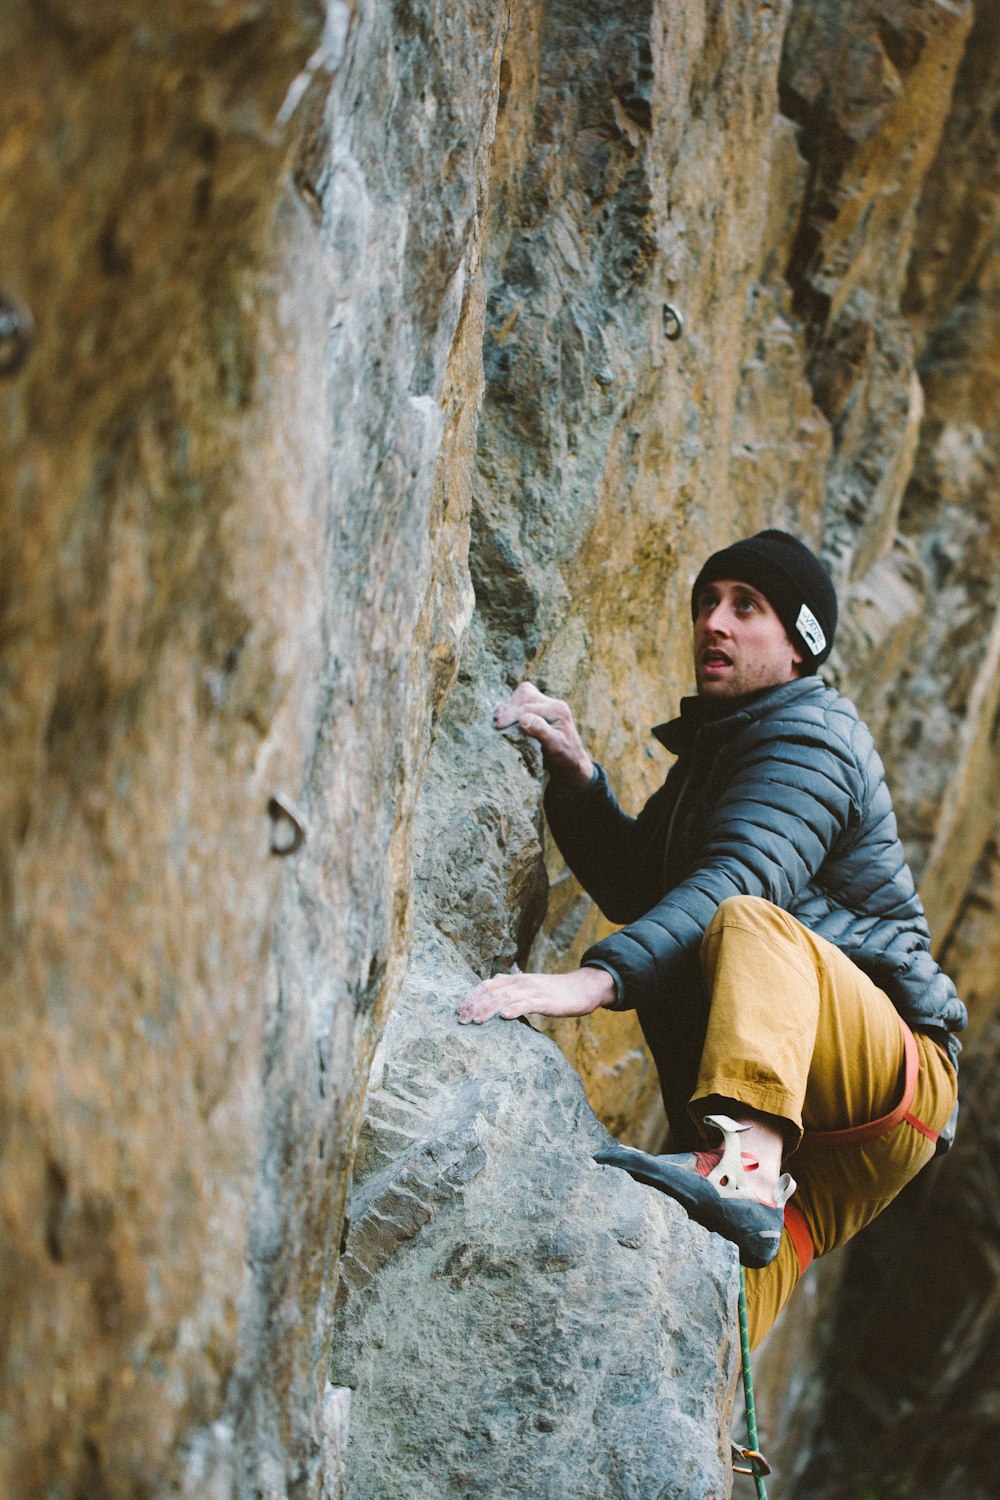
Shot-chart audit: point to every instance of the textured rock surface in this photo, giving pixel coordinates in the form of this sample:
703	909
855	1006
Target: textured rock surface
150	706
342	312
234	524
514	1317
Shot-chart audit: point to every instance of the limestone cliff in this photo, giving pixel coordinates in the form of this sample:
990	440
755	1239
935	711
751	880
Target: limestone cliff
337	395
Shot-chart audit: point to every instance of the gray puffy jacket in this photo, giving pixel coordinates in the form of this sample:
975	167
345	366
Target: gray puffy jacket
783	797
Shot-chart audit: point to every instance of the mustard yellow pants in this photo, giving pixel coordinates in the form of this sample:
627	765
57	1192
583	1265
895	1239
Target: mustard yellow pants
796	1030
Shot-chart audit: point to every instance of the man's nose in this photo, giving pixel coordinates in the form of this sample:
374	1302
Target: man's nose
719	619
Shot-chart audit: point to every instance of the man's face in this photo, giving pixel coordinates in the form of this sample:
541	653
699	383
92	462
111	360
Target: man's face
740	645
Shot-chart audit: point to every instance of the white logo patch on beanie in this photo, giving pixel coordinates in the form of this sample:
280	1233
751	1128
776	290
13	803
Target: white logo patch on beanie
810	630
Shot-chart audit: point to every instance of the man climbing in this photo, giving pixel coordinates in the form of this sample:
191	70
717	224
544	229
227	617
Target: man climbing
773	943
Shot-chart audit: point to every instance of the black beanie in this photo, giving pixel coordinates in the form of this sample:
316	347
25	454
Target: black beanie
793	581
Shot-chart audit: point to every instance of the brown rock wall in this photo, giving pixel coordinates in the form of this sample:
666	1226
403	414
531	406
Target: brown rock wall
405	323
234	525
343	312
149	712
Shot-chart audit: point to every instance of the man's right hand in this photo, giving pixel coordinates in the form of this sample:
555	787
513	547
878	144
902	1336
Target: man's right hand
550	722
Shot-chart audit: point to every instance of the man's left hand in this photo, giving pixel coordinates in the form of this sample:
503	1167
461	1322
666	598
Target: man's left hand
512	995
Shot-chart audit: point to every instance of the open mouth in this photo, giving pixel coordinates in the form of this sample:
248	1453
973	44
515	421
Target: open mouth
715	658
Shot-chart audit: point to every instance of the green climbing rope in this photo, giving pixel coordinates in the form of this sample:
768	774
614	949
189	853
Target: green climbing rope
758	1477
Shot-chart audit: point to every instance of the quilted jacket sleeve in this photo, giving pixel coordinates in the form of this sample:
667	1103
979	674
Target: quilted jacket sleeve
616	858
786	794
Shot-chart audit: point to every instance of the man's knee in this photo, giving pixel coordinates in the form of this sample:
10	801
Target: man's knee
745	911
751	915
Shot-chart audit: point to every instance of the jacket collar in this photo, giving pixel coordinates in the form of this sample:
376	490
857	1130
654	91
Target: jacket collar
716	719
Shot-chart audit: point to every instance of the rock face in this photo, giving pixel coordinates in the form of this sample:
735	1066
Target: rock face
594	1335
213	531
337	395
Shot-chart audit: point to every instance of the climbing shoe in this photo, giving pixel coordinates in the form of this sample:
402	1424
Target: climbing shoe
716	1190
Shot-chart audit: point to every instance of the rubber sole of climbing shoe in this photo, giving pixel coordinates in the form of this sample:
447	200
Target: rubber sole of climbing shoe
754	1228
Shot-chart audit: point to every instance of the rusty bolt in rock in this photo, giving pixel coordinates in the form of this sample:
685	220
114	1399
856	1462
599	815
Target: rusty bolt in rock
288	829
673	323
17	333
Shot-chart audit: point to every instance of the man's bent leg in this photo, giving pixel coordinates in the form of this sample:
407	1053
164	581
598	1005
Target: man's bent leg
795	1030
798	1030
